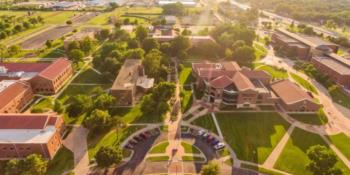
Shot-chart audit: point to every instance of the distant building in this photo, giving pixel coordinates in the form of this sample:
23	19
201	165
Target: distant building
170	20
65	5
25	134
130	81
292	98
226	83
301	46
14	96
44	78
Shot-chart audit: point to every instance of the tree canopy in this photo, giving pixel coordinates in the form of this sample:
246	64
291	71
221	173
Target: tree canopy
322	161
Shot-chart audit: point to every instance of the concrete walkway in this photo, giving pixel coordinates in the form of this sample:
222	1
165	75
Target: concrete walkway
77	143
337	151
271	160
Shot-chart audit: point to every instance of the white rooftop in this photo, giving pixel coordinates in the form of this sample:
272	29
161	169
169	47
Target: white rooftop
5	84
144	82
27	135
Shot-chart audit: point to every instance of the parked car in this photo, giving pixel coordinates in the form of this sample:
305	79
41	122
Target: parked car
219	146
205	135
144	136
210	138
129	146
133	142
214	142
138	138
201	132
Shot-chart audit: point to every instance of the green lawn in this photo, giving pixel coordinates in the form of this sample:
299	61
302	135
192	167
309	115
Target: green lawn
260	169
72	90
252	136
342	142
95	142
158	158
159	148
44	104
192	158
275	73
340	97
90	76
186	99
185	76
206	122
318	118
304	83
293	158
63	161
189	148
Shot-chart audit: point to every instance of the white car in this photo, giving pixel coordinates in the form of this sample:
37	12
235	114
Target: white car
201	132
219	146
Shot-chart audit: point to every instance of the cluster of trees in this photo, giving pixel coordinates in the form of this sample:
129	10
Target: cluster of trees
176	9
107	156
246	17
32	164
342	41
322	161
156	103
302	28
315	10
211	168
78	49
237	42
6	52
10	25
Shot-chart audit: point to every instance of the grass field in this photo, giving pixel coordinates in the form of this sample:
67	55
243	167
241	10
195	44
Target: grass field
72	90
185	76
304	83
186	99
109	139
159	148
189	148
342	142
44	104
90	76
158	158
192	158
63	161
252	136
318	118
260	169
340	97
293	158
206	122
275	73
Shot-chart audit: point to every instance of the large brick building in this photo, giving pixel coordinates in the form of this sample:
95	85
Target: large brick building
292	98
228	84
44	78
130	80
300	46
14	96
25	134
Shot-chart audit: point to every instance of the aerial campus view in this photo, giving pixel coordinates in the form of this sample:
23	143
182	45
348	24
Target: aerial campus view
174	87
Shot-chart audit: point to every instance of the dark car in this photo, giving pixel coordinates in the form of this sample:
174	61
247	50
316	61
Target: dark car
210	138
129	146
133	142
138	138
214	142
145	135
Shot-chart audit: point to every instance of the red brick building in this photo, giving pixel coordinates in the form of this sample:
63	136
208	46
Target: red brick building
25	134
14	96
44	78
292	98
226	83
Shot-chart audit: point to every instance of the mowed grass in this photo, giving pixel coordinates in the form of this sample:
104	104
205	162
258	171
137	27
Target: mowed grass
206	122
275	72
304	83
293	158
111	138
159	148
252	136
342	142
186	99
318	118
90	76
340	97
185	76
63	161
73	90
189	148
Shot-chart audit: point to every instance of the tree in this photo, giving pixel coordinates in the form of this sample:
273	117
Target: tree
73	45
165	48
244	55
69	22
211	169
322	160
104	101
58	106
147	104
79	104
48	43
179	45
76	55
141	33
177	9
35	164
97	120
86	45
103	34
237	44
164	91
12	167
107	156
13	50
137	53
149	44
151	62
